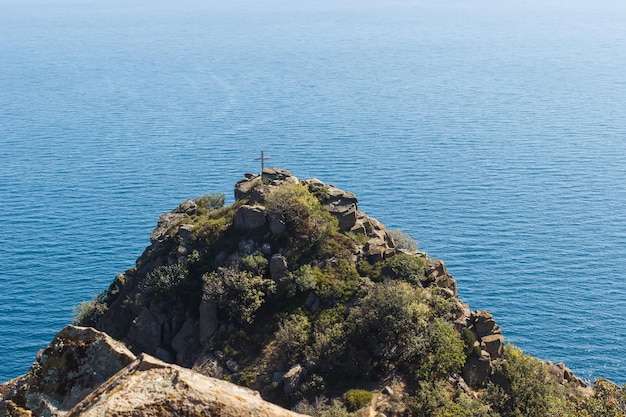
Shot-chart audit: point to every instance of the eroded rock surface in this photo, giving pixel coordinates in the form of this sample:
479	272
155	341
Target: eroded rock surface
149	387
75	363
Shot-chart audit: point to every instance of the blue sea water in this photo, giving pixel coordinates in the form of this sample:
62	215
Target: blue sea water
494	132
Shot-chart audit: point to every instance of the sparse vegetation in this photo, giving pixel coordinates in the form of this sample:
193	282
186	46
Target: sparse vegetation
357	398
238	293
165	280
211	201
349	321
403	241
87	313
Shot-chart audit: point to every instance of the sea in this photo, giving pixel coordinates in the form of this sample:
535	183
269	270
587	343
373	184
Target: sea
492	131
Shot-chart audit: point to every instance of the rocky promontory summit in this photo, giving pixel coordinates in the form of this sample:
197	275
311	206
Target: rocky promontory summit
291	301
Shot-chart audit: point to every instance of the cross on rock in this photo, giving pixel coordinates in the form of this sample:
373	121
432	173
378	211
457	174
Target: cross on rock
263	158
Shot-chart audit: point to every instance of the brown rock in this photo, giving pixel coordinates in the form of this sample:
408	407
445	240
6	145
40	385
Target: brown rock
484	323
437	274
149	387
76	362
493	344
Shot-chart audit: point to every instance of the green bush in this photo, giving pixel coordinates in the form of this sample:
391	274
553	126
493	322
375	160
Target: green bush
320	192
208	228
337	282
292	336
211	201
255	263
87	313
357	398
445	352
329	338
532	390
390	322
239	293
469	340
407	267
165	279
303	214
247	377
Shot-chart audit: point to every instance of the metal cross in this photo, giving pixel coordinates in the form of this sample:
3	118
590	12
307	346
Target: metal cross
263	158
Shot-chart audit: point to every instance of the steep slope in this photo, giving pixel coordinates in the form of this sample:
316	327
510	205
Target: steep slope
296	293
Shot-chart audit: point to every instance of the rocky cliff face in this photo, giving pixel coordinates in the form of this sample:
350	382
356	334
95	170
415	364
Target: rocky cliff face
292	290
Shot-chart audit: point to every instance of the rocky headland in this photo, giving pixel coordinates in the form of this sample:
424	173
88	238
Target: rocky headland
290	299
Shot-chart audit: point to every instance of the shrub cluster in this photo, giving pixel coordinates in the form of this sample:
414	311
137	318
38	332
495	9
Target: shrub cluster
238	293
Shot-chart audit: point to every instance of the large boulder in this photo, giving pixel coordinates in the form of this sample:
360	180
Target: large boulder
477	369
492	344
146	332
167	220
149	387
208	322
254	188
483	324
77	361
250	217
342	205
437	275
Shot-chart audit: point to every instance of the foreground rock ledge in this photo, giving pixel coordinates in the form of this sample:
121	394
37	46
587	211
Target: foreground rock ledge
84	372
153	388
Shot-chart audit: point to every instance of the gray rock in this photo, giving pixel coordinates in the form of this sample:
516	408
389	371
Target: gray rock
293	378
277	377
462	385
278	267
209	322
145	332
477	369
232	365
343	206
186	344
245	186
312	302
250	217
492	344
277	176
277	225
208	365
247	247
266	249
185	230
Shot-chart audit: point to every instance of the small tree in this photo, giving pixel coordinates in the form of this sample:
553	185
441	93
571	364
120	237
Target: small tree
211	201
240	293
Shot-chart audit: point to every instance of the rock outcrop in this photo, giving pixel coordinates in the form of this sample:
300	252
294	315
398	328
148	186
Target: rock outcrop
185	314
83	372
77	361
170	390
